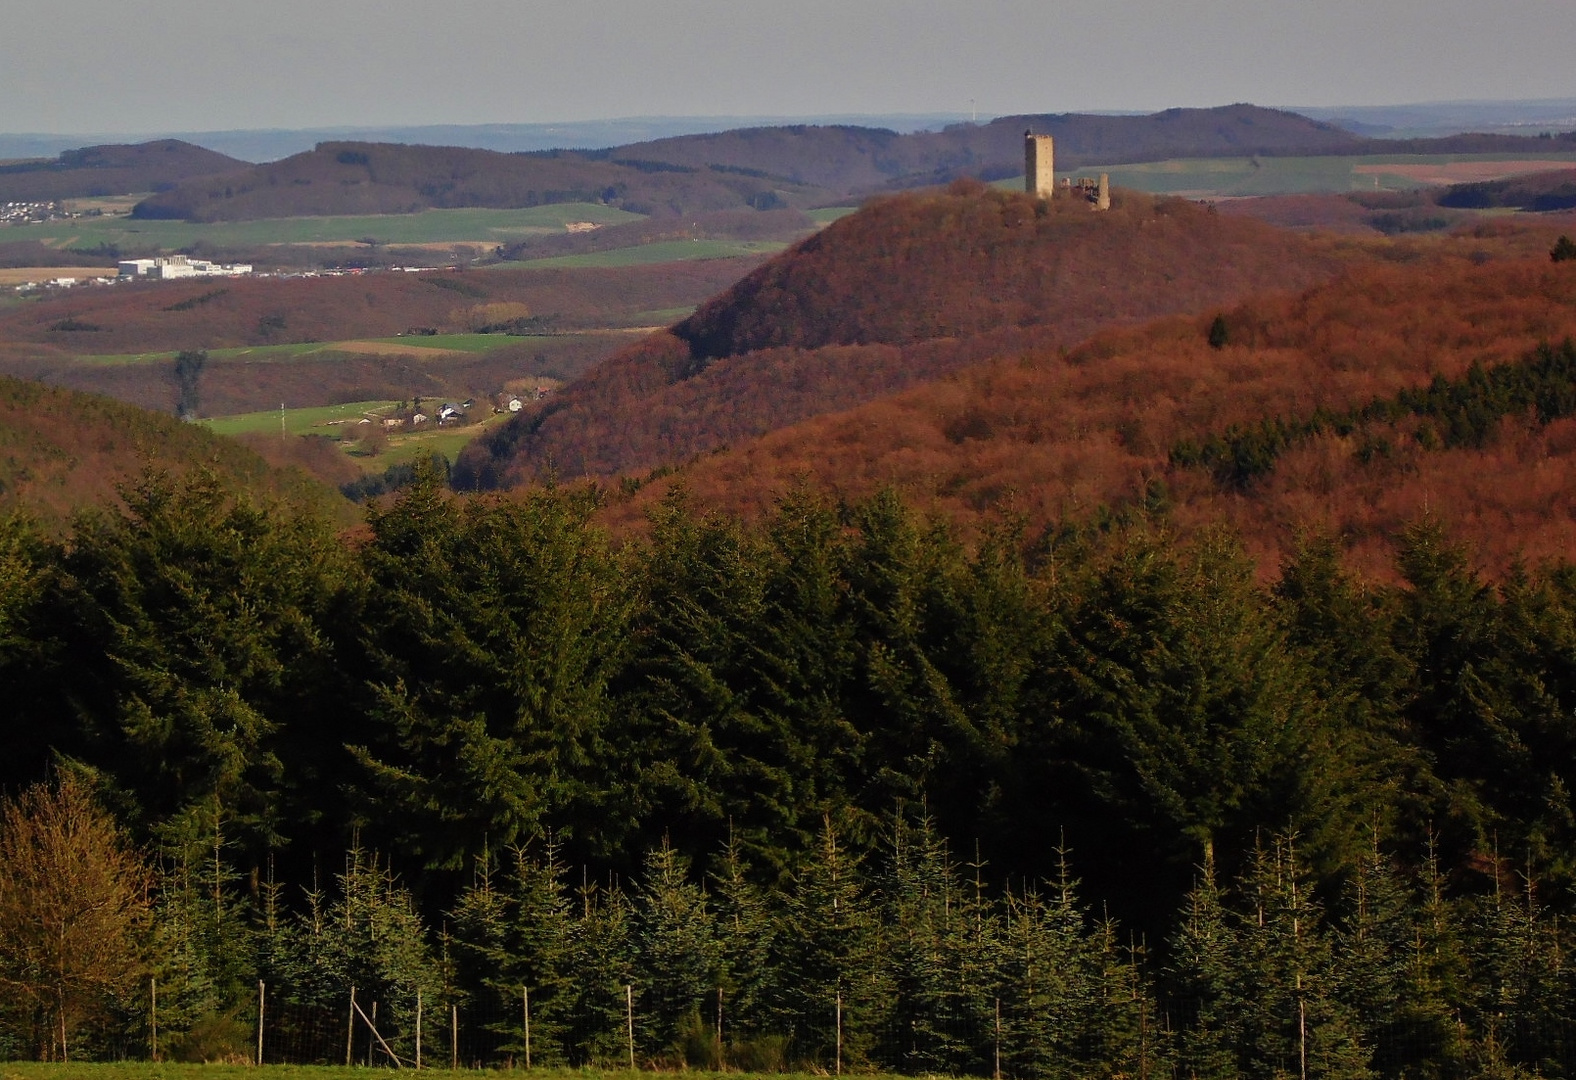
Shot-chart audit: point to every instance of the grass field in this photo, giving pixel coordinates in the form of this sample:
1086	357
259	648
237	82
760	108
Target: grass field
418	345
1287	176
322	420
333	420
648	254
427	227
828	214
142	1070
661	316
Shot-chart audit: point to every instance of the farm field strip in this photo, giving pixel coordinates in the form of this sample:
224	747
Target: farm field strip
648	254
435	345
20	275
468	225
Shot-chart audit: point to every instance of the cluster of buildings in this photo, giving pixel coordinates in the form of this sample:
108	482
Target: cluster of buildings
169	267
30	213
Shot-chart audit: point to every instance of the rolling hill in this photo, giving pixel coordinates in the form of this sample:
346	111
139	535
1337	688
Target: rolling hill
385	178
765	167
110	170
909	288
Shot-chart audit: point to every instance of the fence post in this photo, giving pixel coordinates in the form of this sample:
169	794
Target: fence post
525	1008
454	1038
998	1039
839	1033
153	1014
629	1013
262	996
418	1027
719	1027
1302	1030
350	1027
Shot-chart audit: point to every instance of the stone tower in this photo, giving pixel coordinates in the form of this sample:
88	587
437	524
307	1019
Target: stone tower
1039	165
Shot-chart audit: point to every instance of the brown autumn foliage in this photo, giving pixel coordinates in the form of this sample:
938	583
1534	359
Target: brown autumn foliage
909	288
1326	213
62	451
916	267
74	911
1048	436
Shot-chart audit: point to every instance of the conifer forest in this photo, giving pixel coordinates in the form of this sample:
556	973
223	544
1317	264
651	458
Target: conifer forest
841	789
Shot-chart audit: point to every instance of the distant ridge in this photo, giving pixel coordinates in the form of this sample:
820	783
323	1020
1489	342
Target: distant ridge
765	167
271	144
761	167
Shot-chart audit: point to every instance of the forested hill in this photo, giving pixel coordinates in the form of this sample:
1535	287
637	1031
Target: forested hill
908	288
62	451
387	178
110	170
1435	384
764	168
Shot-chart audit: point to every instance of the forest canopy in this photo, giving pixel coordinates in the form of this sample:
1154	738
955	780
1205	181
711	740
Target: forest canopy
1152	763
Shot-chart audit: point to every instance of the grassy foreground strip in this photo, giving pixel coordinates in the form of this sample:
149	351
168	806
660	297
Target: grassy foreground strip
145	1070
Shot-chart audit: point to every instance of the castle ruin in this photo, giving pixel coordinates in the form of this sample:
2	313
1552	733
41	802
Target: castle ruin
1039	173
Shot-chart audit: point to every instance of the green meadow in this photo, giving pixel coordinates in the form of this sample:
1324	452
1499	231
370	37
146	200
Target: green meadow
458	343
320	420
475	226
827	214
404	444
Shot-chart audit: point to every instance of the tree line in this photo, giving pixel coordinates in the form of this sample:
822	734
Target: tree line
246	692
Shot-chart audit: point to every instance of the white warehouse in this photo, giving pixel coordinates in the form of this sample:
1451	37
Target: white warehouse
180	266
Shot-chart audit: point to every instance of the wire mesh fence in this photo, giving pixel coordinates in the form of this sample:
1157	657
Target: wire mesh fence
619	1027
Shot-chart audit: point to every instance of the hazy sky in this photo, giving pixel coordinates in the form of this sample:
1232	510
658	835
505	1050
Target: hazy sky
186	65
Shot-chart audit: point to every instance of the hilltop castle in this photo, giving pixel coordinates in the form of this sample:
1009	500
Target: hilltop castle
1039	173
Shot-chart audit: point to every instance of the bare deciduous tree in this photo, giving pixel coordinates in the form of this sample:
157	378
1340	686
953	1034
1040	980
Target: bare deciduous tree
73	912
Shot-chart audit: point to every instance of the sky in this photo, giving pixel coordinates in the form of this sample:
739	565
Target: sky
107	66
